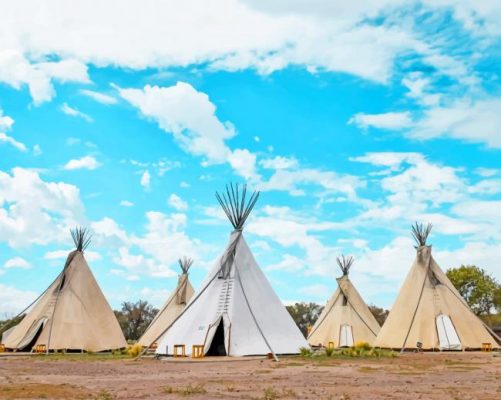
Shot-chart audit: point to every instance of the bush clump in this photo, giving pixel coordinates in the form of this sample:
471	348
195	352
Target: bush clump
134	349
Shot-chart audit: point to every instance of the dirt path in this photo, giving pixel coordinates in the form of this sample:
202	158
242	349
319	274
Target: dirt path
460	376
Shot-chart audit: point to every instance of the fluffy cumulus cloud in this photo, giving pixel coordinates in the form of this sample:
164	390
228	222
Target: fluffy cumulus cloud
86	162
17	262
43	46
188	115
6	123
177	202
18	71
14	300
34	211
225	37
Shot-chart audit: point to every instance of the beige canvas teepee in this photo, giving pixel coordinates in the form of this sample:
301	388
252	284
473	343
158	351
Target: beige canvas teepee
174	305
72	314
346	319
429	312
236	312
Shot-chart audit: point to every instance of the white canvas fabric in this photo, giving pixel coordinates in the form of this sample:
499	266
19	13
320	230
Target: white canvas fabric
425	294
255	322
448	338
345	308
174	306
72	314
346	336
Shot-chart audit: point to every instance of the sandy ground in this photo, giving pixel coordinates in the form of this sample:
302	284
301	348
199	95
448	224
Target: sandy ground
460	376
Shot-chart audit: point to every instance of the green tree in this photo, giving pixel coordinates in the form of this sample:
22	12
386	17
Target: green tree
480	290
134	318
305	314
379	313
9	323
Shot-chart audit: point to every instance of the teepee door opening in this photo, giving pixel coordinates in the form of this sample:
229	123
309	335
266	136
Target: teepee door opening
217	346
447	335
346	336
32	336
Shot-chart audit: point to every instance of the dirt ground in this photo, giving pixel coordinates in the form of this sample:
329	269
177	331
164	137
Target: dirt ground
460	376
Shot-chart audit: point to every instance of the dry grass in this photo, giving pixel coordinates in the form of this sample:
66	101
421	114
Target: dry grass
43	391
185	391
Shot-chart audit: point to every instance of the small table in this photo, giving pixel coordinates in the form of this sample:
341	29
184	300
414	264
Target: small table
178	347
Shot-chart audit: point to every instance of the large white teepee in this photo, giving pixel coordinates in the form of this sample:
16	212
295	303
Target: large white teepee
430	311
236	312
346	319
174	305
72	313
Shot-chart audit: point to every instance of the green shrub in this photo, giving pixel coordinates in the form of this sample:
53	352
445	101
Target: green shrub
329	351
305	352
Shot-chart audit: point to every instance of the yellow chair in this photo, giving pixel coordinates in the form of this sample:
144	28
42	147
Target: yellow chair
178	347
2	348
487	347
40	348
197	351
330	345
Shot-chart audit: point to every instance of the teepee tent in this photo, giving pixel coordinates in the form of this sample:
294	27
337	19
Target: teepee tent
174	305
72	313
429	312
346	319
236	312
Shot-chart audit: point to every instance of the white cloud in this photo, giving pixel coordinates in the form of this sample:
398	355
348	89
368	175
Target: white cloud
13	142
37	150
90	255
17	262
17	70
33	211
145	180
66	109
99	97
126	203
6	122
87	162
279	162
343	39
389	120
188	115
472	121
14	300
177	202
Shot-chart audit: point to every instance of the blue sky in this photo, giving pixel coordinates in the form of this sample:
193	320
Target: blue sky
354	121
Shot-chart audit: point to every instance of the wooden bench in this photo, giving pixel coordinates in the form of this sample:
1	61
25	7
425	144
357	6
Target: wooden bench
487	347
177	348
40	348
197	351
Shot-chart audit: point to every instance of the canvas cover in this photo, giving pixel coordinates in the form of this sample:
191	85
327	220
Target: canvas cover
255	322
426	294
174	305
73	314
352	312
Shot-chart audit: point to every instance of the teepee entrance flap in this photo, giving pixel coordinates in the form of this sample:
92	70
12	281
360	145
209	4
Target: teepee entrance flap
32	334
447	335
346	336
